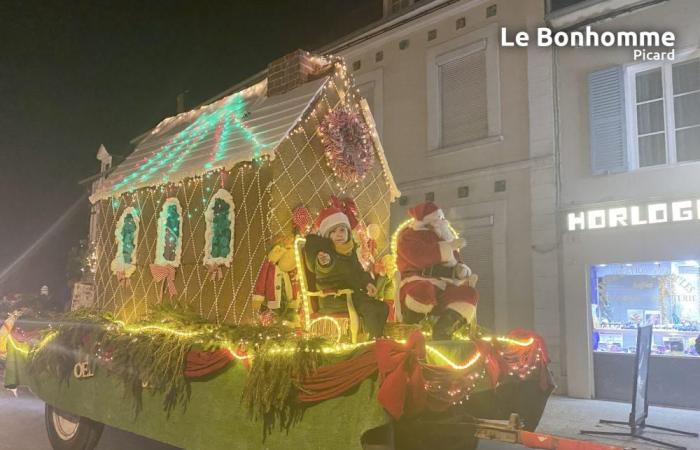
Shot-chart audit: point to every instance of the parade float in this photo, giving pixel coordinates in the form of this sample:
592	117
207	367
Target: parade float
205	332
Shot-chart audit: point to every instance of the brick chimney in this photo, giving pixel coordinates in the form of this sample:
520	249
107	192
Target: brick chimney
289	72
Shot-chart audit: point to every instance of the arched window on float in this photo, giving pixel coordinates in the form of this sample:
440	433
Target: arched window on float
220	221
169	245
126	234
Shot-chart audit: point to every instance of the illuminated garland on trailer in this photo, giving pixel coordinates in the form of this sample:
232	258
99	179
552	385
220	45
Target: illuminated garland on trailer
289	349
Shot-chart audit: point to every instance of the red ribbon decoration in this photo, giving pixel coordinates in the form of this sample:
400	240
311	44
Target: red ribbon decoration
349	207
122	279
167	274
400	367
301	219
214	272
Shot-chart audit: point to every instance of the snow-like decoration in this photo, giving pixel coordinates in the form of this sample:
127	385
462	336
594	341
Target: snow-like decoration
127	236
220	219
169	245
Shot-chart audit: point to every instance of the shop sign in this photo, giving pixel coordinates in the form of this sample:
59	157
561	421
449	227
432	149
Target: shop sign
632	216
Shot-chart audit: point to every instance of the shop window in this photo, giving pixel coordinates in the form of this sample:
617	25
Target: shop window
220	225
126	234
665	294
169	244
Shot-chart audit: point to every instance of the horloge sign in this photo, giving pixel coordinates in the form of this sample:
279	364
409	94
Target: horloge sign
632	216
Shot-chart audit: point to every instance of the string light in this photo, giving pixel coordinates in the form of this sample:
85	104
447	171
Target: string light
332	320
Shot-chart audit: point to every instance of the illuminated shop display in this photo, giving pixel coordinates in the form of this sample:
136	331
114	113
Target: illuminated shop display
664	293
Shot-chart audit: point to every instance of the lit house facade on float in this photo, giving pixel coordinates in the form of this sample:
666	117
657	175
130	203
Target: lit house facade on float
629	146
470	125
190	215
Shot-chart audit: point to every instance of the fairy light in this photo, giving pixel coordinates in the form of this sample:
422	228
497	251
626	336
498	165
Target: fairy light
470	362
299	241
16	346
519	343
332	320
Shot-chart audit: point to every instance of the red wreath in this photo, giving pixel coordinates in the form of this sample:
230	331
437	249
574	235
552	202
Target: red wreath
347	145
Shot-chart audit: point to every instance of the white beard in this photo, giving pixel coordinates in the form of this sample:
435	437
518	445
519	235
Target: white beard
442	229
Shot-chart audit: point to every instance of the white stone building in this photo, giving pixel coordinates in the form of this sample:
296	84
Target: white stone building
471	125
629	137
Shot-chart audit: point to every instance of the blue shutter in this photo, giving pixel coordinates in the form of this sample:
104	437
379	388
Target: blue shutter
606	101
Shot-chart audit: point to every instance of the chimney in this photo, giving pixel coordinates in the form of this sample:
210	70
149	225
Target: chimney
180	102
289	72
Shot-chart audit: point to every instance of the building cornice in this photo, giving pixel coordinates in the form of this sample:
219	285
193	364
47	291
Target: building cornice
496	169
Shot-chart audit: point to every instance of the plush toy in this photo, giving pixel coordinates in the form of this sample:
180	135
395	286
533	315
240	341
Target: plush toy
277	287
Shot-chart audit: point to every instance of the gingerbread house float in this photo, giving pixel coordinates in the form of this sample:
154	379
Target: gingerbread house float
190	216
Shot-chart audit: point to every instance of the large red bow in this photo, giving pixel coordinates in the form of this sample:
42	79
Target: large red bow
348	206
401	375
167	274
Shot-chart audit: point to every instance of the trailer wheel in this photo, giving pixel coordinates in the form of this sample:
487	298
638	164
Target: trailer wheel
69	432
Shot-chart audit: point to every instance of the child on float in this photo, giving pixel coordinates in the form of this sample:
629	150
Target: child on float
331	256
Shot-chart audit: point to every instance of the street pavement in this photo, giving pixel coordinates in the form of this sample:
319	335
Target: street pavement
22	425
22	428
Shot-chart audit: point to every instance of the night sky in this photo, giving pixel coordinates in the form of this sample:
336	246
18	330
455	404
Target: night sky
74	75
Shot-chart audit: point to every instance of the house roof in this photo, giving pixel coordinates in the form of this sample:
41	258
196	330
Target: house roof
239	127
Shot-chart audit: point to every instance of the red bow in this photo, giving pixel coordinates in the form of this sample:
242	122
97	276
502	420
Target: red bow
214	272
167	274
401	375
122	279
348	206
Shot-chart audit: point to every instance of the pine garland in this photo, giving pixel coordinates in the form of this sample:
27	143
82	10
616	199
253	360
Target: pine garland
146	355
270	391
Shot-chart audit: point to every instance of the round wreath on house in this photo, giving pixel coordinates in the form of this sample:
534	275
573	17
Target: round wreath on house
347	144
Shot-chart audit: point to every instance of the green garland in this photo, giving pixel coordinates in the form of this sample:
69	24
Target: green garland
145	355
270	391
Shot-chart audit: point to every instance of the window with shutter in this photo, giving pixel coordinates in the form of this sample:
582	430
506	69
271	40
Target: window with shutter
686	109
664	109
478	255
606	98
463	102
463	92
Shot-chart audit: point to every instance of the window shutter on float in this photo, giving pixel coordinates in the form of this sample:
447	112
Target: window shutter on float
607	118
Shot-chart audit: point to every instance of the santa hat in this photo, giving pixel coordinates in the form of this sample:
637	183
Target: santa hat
425	212
329	218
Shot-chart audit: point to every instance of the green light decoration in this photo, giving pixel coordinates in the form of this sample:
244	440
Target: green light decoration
221	224
128	238
229	118
172	233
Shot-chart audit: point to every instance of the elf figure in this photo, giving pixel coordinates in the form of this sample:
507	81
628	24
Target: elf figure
332	256
277	289
433	278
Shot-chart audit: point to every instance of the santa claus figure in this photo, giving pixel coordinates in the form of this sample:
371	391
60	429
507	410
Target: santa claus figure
433	278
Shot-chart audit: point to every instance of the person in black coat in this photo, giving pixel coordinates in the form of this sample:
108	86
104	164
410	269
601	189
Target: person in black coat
332	257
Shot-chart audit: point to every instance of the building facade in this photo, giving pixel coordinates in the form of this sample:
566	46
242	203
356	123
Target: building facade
629	145
470	125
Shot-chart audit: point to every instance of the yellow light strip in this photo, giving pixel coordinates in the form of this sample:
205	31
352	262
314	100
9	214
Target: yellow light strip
301	275
158	328
517	342
12	342
473	360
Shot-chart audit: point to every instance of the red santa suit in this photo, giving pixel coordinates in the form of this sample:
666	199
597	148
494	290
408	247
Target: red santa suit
272	282
433	277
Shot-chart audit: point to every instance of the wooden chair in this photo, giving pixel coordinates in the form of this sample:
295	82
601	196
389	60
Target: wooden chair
311	295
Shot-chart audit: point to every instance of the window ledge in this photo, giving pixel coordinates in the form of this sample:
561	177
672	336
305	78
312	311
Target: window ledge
592	11
490	140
